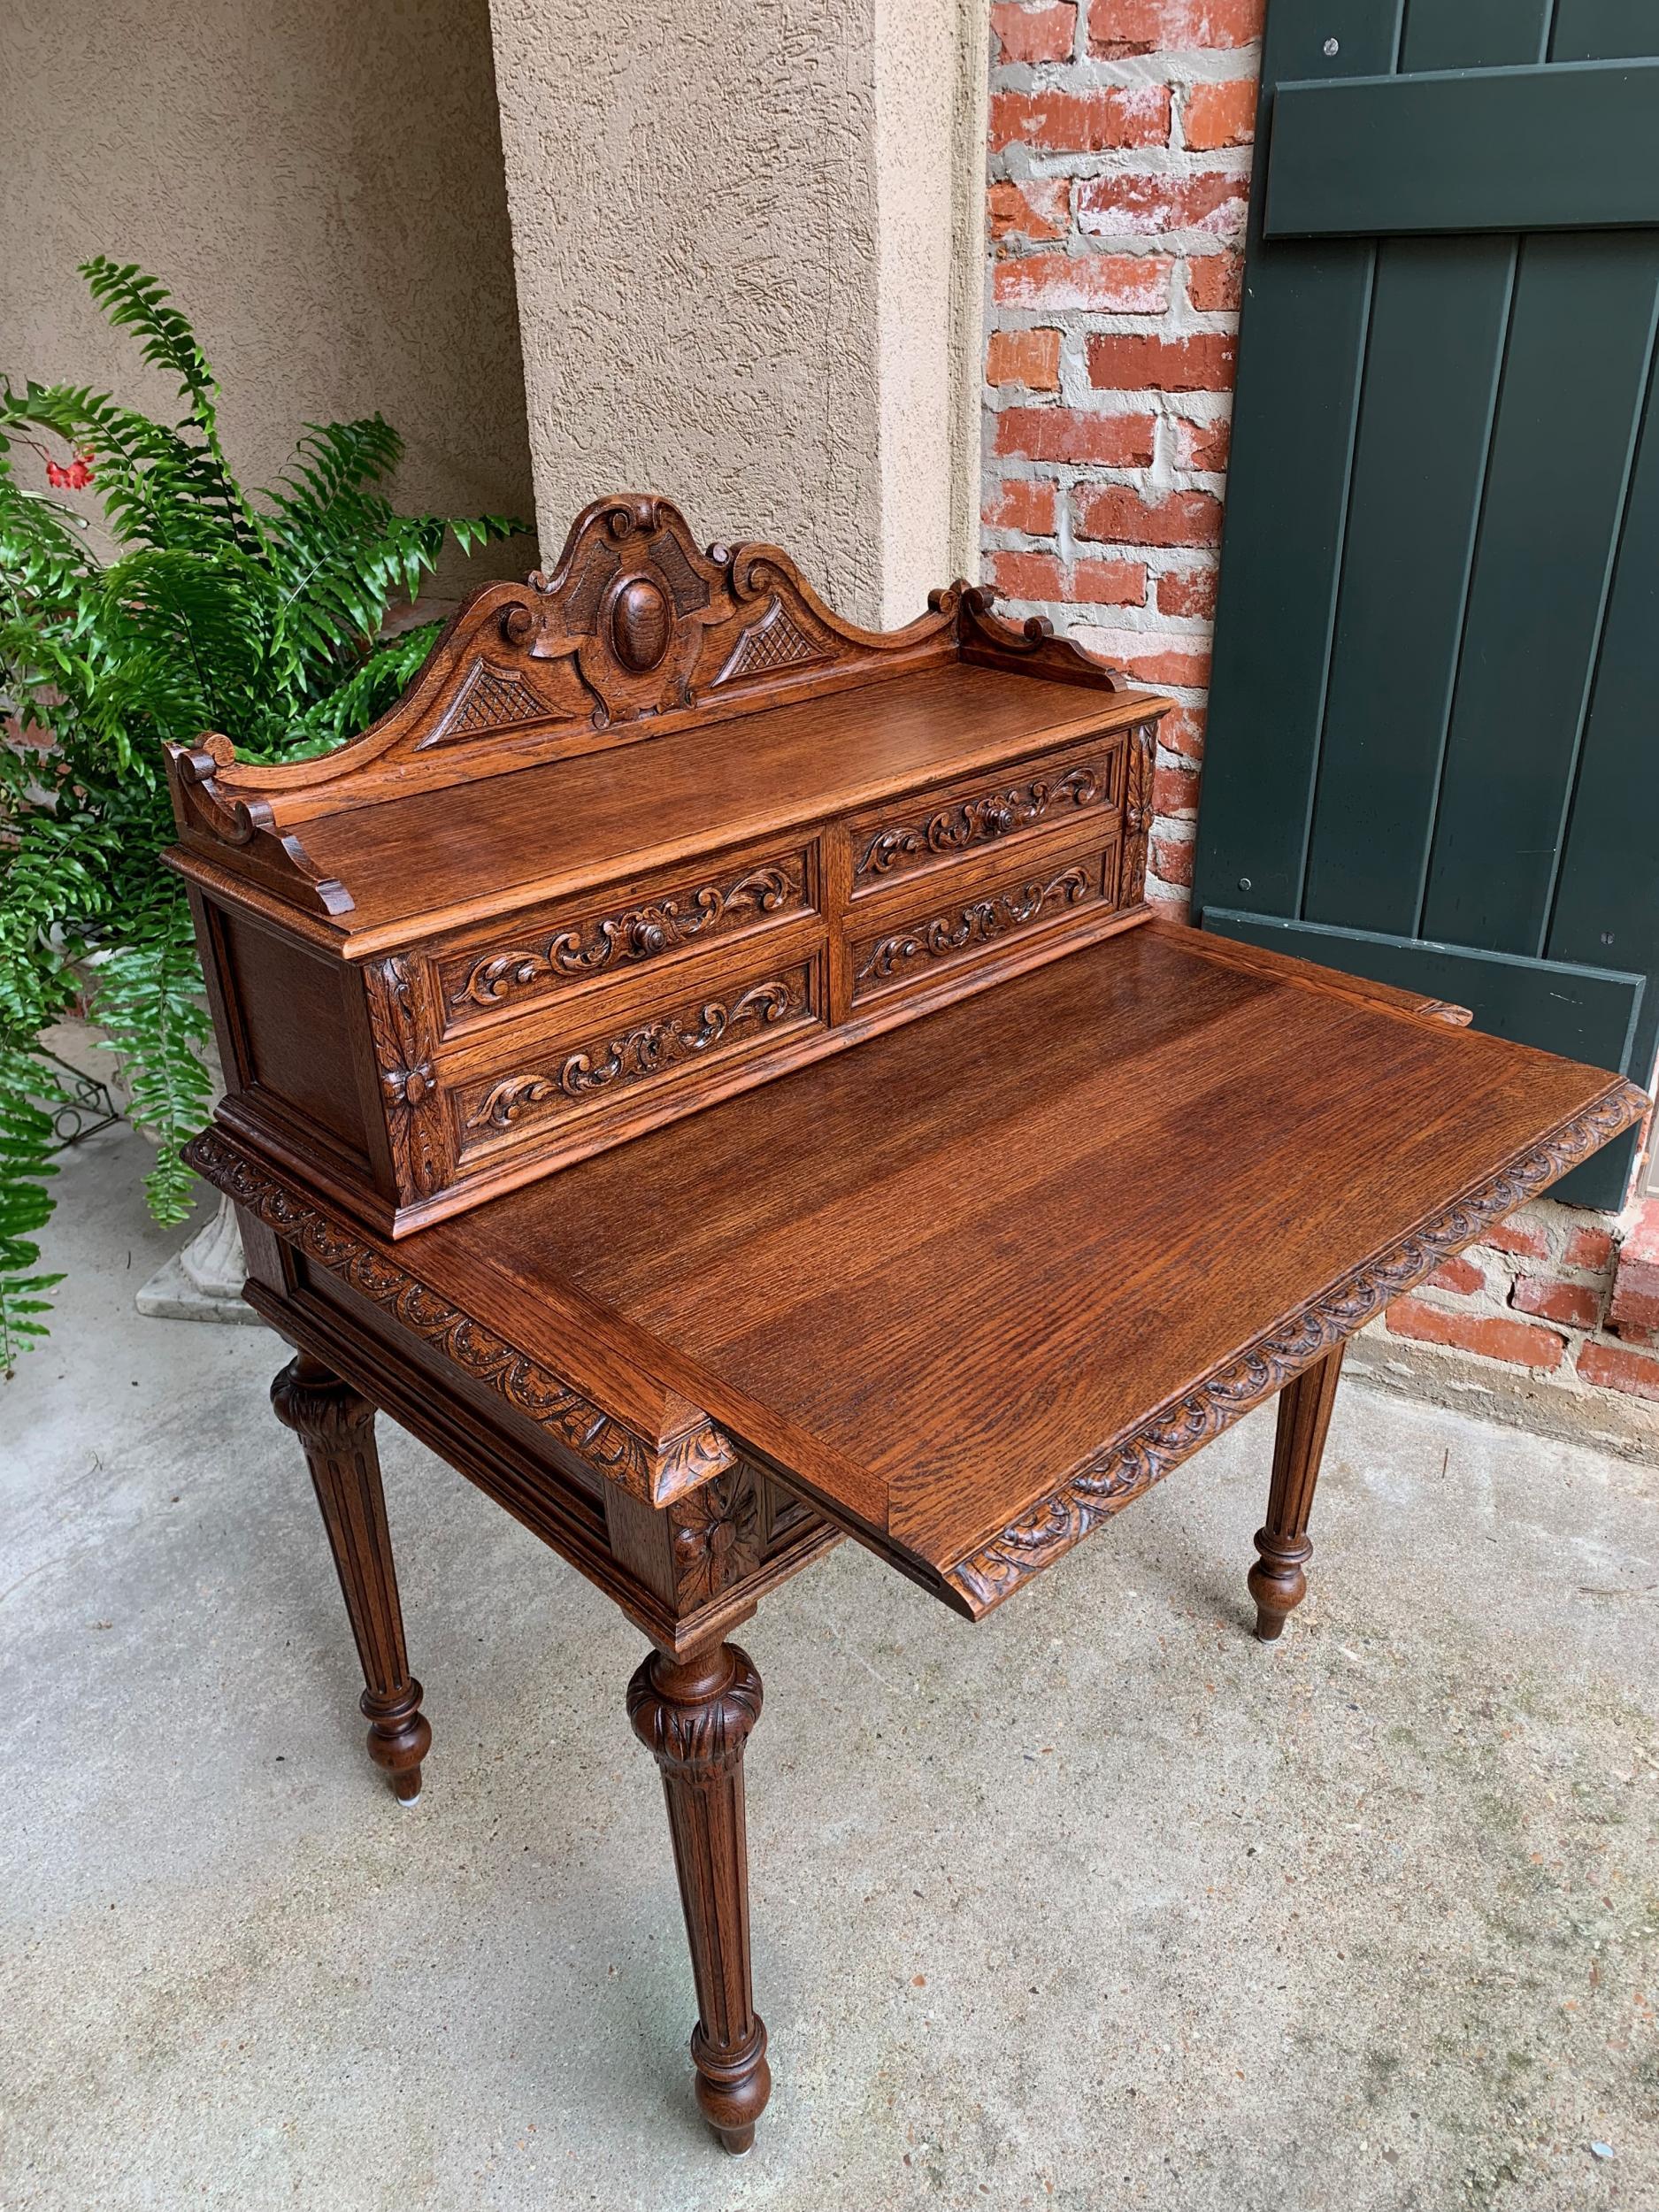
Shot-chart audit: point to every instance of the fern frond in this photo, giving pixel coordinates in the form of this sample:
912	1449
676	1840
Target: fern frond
26	1141
148	1000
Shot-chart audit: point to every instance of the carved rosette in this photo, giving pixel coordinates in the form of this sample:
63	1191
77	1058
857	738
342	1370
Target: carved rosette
604	1443
638	1054
1105	1486
976	821
401	1033
698	1737
977	923
1132	877
639	932
716	1536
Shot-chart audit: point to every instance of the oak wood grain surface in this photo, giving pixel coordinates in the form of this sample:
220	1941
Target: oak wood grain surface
438	855
927	1279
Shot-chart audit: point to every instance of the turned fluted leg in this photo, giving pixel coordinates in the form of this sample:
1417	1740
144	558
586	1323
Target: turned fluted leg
694	1716
336	1423
1278	1583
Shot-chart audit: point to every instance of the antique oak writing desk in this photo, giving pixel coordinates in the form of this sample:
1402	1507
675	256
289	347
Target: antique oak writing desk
658	831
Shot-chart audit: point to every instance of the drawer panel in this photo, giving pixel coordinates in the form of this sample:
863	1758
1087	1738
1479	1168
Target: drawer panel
953	930
907	836
601	938
605	1068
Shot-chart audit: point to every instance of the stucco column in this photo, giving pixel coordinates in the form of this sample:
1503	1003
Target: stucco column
747	244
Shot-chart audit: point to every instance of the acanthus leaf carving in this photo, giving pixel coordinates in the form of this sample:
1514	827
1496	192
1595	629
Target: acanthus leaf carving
638	933
637	1054
400	1033
995	813
981	922
1132	876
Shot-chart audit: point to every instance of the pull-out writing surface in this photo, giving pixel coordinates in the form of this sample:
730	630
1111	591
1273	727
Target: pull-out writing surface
978	1283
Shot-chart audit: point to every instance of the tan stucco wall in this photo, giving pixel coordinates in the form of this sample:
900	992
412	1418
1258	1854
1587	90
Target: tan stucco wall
320	186
739	236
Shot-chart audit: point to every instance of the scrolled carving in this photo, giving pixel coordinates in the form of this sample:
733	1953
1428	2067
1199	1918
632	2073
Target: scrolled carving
639	932
716	1536
656	1473
639	1053
400	1033
1105	1486
993	814
981	922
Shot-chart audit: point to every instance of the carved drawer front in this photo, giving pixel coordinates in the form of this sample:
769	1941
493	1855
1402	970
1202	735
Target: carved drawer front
605	938
610	1066
951	925
907	836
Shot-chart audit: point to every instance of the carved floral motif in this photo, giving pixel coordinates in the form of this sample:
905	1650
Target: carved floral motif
716	1536
639	1054
1105	1485
974	821
398	1029
639	934
979	923
657	1474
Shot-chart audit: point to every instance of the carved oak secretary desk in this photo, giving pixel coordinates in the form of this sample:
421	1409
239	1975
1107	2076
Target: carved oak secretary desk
709	1072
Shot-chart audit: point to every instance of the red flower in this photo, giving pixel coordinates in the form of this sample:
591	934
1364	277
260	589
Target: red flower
73	477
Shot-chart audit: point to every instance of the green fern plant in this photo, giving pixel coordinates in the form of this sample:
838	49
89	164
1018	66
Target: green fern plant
261	614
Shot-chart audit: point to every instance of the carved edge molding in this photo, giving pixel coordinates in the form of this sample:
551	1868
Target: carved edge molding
1104	1485
655	1473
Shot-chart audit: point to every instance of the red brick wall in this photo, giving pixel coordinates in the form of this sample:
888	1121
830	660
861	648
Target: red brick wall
1120	156
1119	168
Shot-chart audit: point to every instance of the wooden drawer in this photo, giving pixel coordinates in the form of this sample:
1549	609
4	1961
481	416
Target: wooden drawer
960	918
604	936
931	830
622	1069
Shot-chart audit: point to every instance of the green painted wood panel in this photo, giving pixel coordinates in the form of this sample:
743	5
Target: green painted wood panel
1414	502
1301	347
1595	30
1432	756
1574	378
1502	150
1584	1013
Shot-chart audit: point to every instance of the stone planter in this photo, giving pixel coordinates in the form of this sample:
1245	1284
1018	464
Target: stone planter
203	1281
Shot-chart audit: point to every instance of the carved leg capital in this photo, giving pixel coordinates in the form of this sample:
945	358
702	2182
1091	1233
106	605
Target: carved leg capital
336	1423
1277	1581
694	1716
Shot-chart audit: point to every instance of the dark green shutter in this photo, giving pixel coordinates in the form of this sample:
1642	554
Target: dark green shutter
1432	756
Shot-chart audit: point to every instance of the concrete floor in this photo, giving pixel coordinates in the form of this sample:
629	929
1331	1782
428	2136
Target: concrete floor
1100	1904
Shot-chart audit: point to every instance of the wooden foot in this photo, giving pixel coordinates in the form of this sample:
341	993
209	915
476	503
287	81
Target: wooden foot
336	1423
694	1716
1277	1581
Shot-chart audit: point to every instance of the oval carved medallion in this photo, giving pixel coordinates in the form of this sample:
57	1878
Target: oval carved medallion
641	625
